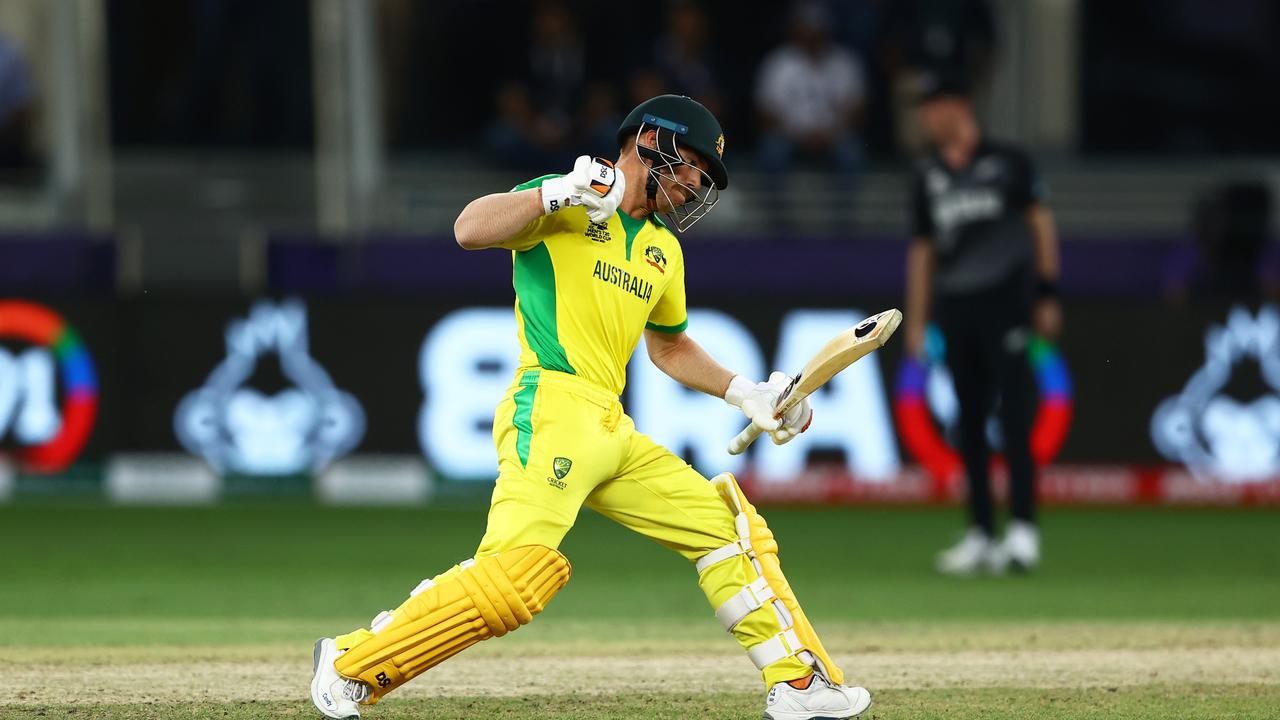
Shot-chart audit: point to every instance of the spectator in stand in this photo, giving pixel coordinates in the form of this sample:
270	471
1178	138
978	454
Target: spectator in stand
682	56
249	79
810	94
644	84
534	118
557	63
17	98
600	120
929	38
518	136
1229	258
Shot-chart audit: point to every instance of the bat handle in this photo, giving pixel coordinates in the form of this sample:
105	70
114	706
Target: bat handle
744	439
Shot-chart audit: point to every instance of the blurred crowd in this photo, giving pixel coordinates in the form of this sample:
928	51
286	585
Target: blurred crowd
17	107
829	85
810	96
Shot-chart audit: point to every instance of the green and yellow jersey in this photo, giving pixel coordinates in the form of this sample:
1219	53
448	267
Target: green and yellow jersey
585	292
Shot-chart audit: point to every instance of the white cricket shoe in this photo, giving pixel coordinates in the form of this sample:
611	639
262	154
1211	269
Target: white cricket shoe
820	701
334	695
1021	546
974	553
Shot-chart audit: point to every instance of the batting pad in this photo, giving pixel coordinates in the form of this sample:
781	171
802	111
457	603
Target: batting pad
489	597
756	541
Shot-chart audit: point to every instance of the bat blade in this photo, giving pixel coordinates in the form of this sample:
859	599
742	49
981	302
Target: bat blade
839	353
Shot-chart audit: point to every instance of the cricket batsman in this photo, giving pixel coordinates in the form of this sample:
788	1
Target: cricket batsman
594	269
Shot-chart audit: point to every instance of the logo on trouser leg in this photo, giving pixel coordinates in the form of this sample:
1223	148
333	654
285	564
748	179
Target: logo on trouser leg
561	466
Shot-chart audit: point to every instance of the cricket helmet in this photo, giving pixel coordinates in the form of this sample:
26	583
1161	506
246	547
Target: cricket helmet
692	123
680	122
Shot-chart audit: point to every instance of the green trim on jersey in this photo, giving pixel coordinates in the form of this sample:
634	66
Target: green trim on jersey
534	277
633	228
523	419
668	328
535	183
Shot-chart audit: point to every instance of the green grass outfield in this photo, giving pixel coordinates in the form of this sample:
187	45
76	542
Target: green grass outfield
210	613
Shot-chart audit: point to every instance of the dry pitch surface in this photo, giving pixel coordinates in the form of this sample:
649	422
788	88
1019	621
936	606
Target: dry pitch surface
561	669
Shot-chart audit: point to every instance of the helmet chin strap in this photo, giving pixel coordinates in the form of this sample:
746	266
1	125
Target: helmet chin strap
651	181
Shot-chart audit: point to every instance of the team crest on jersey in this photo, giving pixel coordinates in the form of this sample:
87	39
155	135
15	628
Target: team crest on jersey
598	232
561	466
653	255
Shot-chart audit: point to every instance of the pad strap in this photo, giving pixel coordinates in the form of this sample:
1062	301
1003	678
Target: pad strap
797	638
748	600
779	647
737	547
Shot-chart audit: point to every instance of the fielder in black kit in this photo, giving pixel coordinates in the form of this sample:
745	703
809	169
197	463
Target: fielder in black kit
984	259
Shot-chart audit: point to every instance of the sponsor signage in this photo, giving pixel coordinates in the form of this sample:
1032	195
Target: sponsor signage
468	359
927	412
1221	426
241	427
48	387
277	388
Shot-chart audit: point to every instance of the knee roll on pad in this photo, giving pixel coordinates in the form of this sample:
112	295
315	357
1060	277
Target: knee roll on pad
489	597
756	541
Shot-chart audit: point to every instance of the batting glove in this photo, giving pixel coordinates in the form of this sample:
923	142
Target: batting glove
758	401
594	184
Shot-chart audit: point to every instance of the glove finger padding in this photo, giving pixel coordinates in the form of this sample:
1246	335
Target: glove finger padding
758	407
797	420
601	176
580	175
590	179
600	209
606	190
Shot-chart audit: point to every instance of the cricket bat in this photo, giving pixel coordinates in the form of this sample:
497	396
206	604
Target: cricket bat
839	353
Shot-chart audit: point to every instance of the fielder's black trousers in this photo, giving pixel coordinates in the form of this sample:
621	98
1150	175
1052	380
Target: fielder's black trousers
986	336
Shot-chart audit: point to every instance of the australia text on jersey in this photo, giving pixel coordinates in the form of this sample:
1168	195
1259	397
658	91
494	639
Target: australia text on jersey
614	275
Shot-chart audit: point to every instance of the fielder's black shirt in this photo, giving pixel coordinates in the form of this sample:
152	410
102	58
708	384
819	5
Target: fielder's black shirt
976	217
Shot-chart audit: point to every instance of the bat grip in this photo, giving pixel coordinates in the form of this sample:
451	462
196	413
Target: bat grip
744	439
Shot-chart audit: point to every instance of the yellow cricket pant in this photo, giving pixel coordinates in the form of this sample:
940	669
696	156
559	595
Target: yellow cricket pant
564	442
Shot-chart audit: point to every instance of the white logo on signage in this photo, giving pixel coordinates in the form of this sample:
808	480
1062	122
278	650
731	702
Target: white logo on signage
236	427
28	396
1216	436
468	359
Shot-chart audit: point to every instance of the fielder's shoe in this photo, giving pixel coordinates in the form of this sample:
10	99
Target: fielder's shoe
820	700
1021	546
974	553
335	696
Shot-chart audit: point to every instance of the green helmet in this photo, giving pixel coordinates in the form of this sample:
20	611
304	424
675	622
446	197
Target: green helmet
692	124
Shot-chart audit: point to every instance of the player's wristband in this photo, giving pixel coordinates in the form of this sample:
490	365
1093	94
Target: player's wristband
557	194
739	387
1046	289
